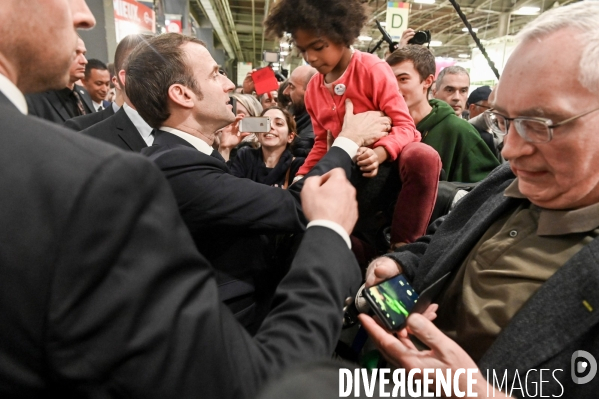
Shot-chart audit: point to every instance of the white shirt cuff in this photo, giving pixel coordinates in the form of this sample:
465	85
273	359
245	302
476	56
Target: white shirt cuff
347	145
333	226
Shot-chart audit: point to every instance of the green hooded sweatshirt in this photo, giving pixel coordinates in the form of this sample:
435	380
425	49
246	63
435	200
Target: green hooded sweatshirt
464	155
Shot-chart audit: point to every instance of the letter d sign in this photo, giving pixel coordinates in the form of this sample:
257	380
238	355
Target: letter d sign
579	366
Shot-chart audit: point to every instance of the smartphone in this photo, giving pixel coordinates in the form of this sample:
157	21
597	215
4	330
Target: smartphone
393	300
234	104
260	124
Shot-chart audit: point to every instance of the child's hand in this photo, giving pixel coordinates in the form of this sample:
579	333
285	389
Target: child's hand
368	161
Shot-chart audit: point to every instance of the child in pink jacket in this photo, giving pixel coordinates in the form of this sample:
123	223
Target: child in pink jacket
322	31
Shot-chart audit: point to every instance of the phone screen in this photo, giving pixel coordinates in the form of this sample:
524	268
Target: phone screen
392	301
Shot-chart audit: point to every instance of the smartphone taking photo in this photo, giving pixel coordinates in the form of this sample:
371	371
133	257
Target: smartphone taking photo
258	124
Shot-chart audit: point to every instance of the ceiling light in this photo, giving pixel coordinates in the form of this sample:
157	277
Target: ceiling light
436	43
464	55
424	1
284	53
383	23
466	29
363	38
527	10
284	45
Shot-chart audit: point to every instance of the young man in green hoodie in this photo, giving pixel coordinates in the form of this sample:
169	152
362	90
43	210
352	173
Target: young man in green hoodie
464	155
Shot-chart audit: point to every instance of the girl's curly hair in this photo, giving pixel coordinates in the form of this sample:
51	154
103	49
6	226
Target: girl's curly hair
338	20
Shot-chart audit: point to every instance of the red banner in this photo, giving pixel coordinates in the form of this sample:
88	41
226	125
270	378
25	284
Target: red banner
135	13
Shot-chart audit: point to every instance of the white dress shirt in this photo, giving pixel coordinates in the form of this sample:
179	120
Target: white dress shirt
142	127
198	144
13	94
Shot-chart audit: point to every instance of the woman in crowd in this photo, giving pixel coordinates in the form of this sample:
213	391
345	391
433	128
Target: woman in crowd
229	139
272	163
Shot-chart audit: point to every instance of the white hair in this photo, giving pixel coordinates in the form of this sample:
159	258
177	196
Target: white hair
582	17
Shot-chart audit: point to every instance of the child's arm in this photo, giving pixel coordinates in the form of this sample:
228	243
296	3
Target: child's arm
387	98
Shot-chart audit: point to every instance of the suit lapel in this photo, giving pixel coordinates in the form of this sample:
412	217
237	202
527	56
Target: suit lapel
86	98
128	132
563	309
56	103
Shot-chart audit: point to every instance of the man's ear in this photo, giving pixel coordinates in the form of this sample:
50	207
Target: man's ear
428	83
471	108
181	95
120	80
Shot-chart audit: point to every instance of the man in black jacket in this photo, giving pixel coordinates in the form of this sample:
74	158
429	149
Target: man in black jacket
225	214
296	89
102	292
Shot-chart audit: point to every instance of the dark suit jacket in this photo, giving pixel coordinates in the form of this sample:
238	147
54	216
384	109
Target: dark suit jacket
118	130
48	106
82	122
227	215
551	326
103	293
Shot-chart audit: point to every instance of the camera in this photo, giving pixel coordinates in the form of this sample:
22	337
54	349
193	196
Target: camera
421	37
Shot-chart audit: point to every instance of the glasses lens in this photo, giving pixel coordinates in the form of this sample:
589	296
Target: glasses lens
496	122
533	130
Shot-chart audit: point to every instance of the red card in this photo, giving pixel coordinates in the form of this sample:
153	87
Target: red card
264	80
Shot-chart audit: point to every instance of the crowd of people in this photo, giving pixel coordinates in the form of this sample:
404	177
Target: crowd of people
152	248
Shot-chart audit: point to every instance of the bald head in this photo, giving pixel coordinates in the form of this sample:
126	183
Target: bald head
298	81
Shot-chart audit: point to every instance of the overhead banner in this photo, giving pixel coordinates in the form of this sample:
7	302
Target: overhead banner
131	17
397	18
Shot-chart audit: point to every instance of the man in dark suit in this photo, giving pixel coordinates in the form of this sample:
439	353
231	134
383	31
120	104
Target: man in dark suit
97	83
59	105
225	214
102	292
125	129
522	247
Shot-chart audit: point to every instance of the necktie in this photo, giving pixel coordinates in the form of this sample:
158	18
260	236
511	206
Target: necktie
79	103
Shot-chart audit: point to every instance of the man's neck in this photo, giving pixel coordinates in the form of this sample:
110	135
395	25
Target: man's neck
420	111
71	85
191	127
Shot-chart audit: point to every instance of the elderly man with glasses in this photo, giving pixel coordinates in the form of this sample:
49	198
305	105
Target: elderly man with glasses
522	250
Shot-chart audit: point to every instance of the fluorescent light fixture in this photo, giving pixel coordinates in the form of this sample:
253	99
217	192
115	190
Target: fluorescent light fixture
363	38
276	64
464	55
383	24
528	10
424	1
436	43
466	29
284	45
284	53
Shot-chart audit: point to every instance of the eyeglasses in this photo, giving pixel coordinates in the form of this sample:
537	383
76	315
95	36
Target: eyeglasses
531	129
483	106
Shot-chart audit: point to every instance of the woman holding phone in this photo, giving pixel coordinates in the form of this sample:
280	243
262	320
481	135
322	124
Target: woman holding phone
230	139
272	163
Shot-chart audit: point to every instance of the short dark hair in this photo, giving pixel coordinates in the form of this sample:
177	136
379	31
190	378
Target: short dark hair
421	57
125	47
338	20
93	63
152	68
